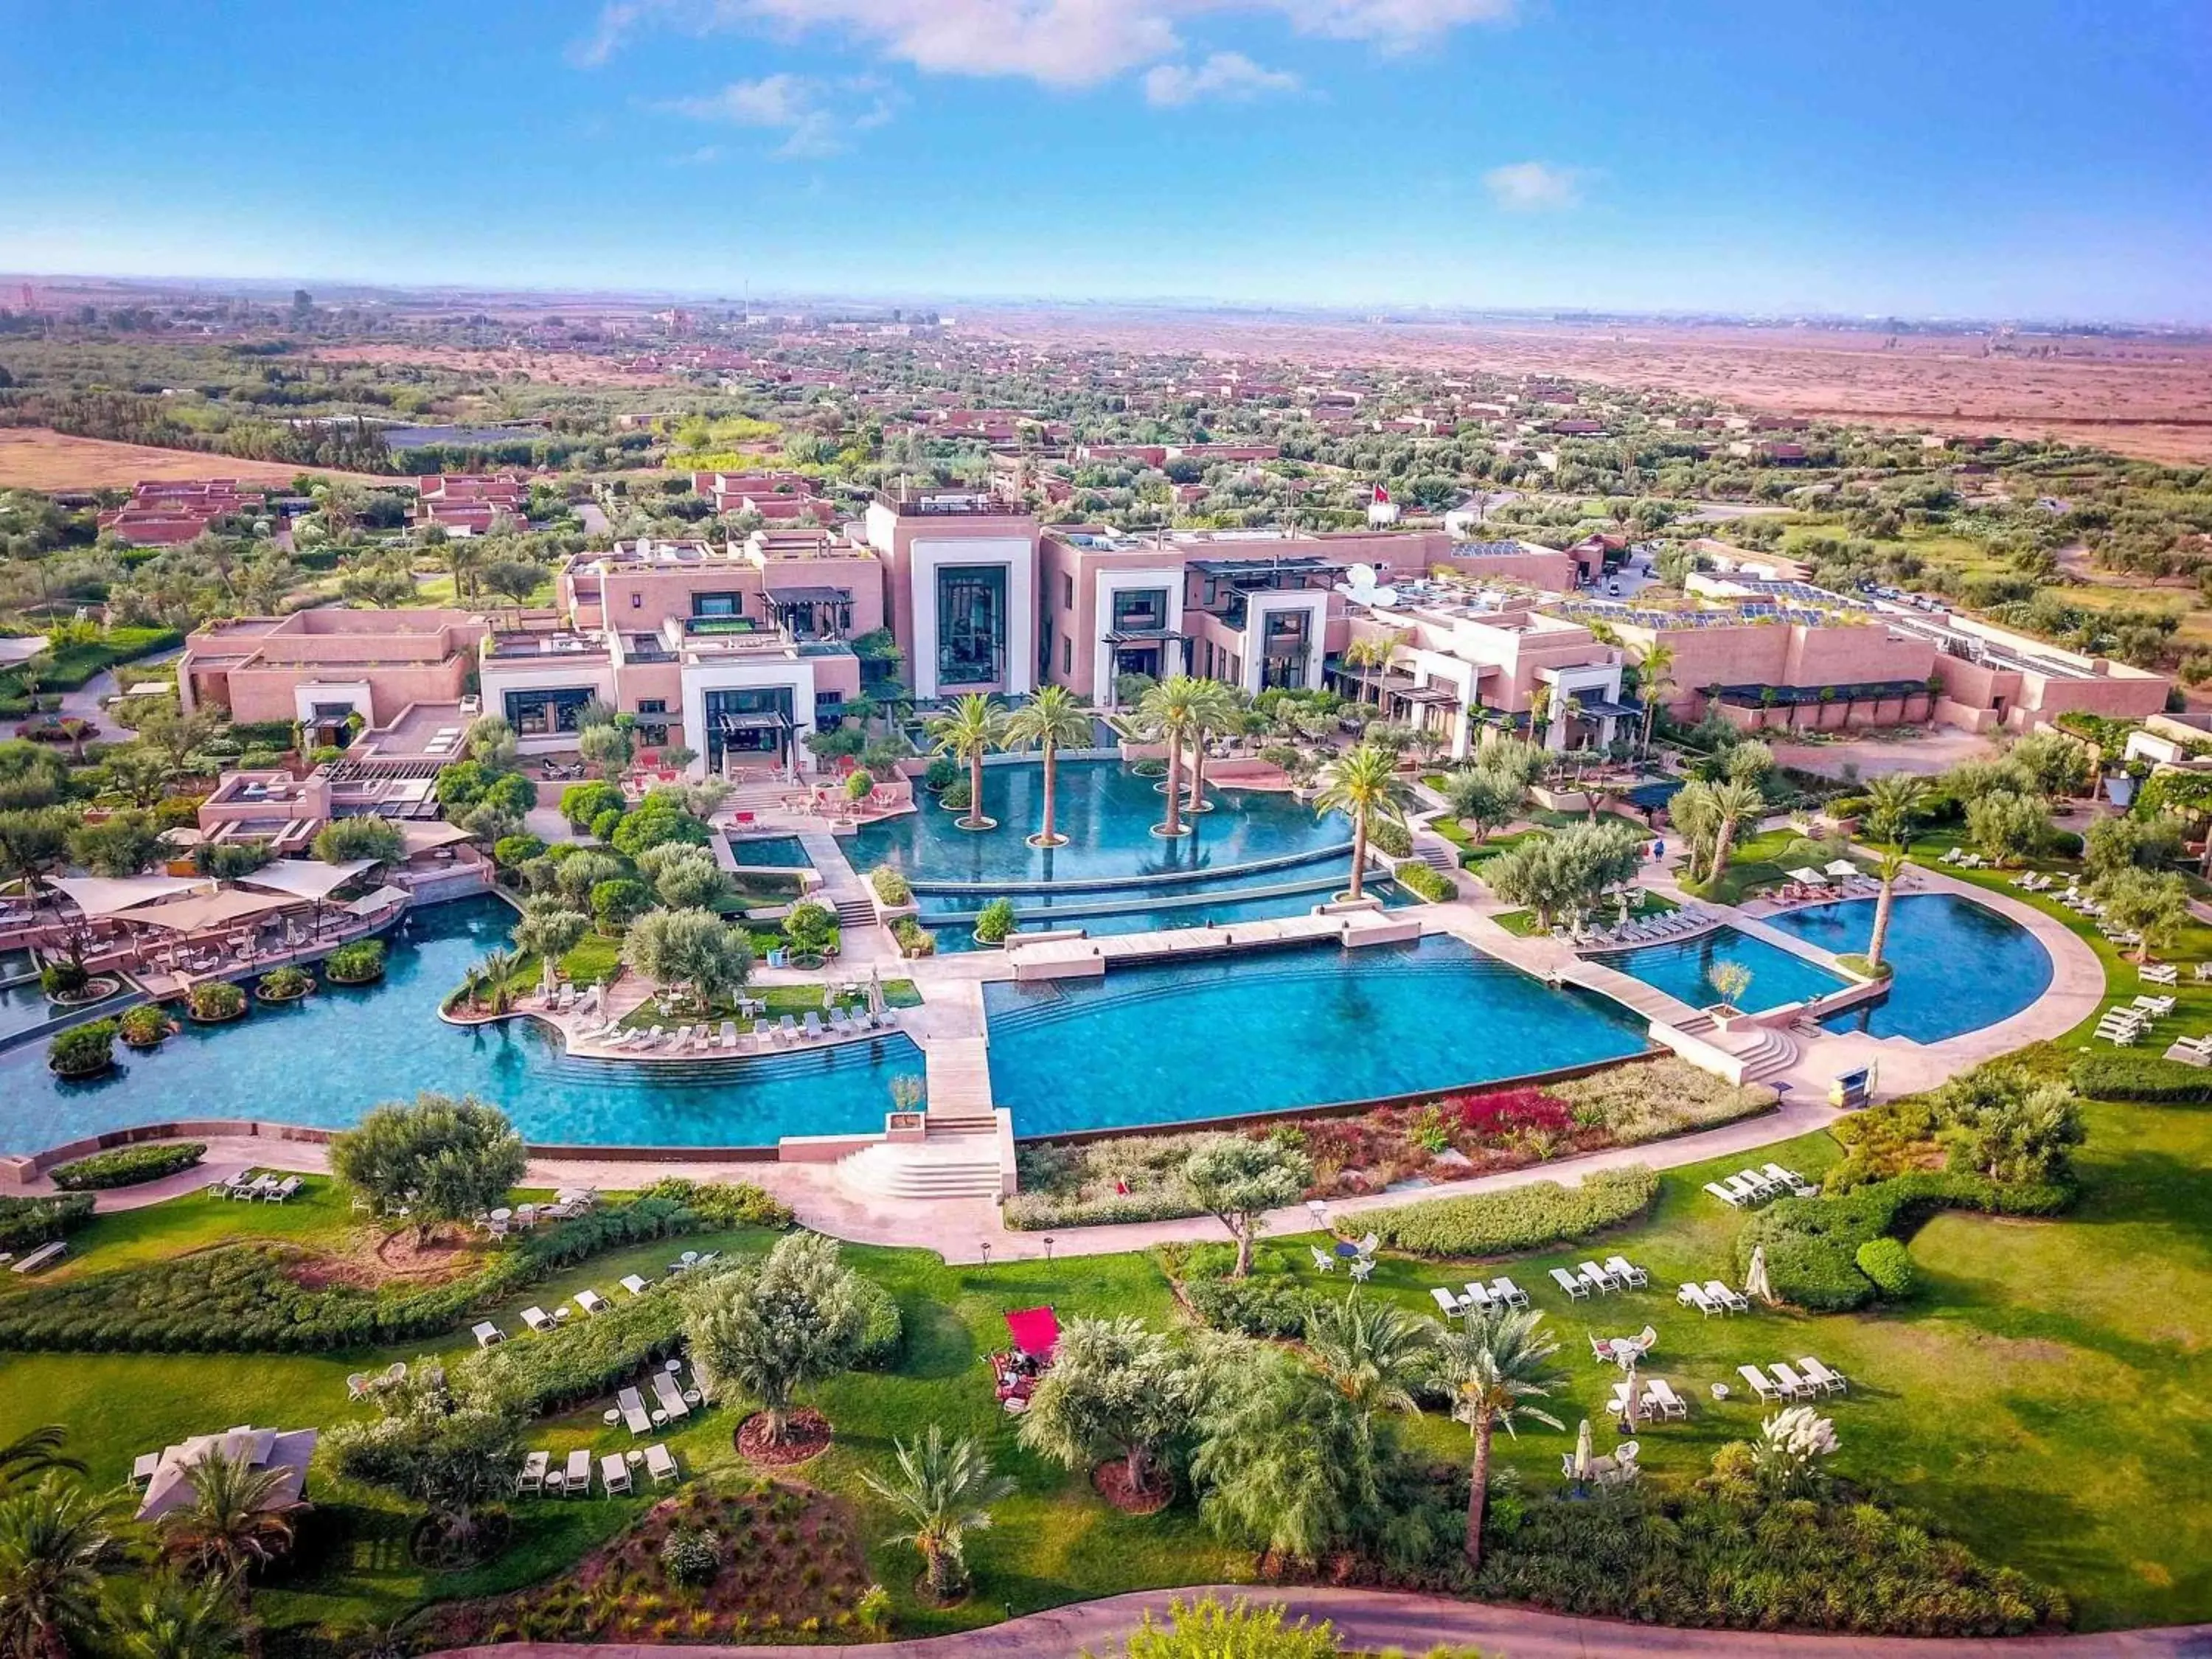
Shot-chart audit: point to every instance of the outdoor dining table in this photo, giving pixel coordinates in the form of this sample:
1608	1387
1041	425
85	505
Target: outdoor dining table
502	1215
1625	1350
1346	1249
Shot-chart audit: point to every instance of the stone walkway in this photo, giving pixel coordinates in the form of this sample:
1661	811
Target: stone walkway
1371	1620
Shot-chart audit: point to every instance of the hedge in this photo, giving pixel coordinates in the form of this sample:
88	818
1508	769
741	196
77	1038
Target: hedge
589	1359
1388	836
2123	1076
126	1166
882	1331
27	1222
1269	1305
1519	1218
245	1298
1811	1244
1889	1264
1425	883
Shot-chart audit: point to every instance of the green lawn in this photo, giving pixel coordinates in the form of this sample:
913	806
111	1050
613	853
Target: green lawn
1522	924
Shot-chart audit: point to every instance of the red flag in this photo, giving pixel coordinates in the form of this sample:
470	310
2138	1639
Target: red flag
1380	494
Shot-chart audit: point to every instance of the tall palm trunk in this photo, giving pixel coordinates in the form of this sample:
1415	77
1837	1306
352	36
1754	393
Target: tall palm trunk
1173	827
1197	774
974	818
1048	836
1723	839
1477	1492
1358	849
1880	934
937	1562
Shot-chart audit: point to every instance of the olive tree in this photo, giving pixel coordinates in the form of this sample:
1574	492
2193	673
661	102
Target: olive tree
1237	1182
1114	1386
443	1159
797	1320
688	947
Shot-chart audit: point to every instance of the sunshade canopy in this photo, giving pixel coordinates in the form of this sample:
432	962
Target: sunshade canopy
369	903
110	896
1036	1331
307	878
424	837
212	911
1813	876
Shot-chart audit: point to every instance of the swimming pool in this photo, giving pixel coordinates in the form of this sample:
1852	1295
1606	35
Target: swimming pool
781	852
1683	969
326	1059
1275	1030
1106	810
1955	965
1141	911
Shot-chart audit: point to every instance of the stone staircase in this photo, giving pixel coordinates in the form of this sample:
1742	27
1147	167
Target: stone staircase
856	911
1768	1054
1440	856
952	1166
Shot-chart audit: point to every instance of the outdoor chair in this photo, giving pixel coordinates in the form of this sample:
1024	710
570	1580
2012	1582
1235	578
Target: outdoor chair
631	1404
1733	1301
1478	1296
1575	1290
1796	1387
670	1396
1822	1378
1760	1384
1362	1269
533	1478
576	1481
1323	1261
660	1464
1447	1304
1693	1296
1508	1293
614	1474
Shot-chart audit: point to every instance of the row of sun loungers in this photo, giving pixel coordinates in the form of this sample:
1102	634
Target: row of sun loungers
764	1036
1618	1273
1713	1297
1687	920
1779	1382
271	1188
2191	1051
1657	1399
1500	1292
2030	882
573	1480
2126	1022
1961	859
1757	1186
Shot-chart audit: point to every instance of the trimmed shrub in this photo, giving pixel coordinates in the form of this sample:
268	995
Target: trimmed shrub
914	940
722	1206
215	999
587	1359
940	775
1267	1305
27	1222
690	1557
954	796
2123	1076
994	922
284	984
145	1026
892	887
126	1166
882	1331
1425	883
1889	1264
1389	836
83	1050
1520	1219
356	964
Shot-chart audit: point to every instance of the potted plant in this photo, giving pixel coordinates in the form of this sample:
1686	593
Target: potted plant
361	962
994	922
1732	979
215	1002
941	775
85	1051
146	1026
286	984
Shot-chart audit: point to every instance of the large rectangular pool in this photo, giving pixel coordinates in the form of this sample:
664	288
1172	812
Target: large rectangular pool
1280	1030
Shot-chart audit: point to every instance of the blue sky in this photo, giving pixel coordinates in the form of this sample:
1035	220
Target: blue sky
2038	157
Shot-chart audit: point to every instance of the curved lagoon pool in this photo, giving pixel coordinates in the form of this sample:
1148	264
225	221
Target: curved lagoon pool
1107	811
1308	1026
1956	965
1683	969
325	1060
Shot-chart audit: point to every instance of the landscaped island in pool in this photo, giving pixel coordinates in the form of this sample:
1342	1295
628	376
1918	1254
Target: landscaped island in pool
324	1061
1956	965
1683	969
1106	810
1280	1030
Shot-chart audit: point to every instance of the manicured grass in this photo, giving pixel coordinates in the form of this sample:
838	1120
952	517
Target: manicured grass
1522	924
1752	866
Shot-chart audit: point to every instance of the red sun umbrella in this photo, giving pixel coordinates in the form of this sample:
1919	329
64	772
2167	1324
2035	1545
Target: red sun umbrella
1036	1331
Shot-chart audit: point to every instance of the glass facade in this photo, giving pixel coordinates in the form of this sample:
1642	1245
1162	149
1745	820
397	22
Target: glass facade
1138	608
717	605
971	624
1284	650
538	713
747	722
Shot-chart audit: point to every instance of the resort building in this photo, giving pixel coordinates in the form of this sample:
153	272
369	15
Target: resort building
168	512
319	667
960	578
470	504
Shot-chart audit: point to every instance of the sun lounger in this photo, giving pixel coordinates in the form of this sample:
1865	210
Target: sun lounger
635	1284
1693	1296
1597	1278
2191	1051
591	1302
1748	1188
1504	1290
2161	972
729	1035
486	1334
1796	1387
1575	1290
653	1037
631	1404
143	1468
1760	1384
1822	1378
660	1464
2156	1007
1627	1271
787	1030
614	1474
533	1478
1790	1178
1666	1400
1733	1301
813	1027
1479	1297
576	1480
1447	1304
1724	1194
670	1396
45	1256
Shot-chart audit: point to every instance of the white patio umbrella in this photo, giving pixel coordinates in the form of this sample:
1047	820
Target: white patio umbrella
1582	1451
1843	867
1754	1281
1811	878
545	976
875	989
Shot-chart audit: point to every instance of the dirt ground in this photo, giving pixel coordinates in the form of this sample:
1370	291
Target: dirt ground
1925	755
2151	398
553	367
31	458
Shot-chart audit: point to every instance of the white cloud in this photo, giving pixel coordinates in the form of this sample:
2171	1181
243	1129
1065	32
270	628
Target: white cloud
818	118
1229	75
1534	187
1062	43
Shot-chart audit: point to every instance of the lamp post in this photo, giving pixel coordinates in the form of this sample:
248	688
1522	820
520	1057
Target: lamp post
986	1252
1047	1247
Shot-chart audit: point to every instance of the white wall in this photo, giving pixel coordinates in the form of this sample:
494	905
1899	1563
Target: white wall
1111	582
354	693
926	555
797	674
546	673
1259	607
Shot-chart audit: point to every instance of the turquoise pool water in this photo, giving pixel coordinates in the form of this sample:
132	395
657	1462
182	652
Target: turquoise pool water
326	1059
1683	970
1957	965
783	852
1302	1027
1107	813
1223	908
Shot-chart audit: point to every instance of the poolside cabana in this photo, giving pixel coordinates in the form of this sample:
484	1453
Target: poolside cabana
428	837
100	897
1811	878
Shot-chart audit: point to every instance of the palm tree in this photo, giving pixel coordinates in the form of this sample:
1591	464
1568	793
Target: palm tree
1055	716
1169	713
943	1491
1654	677
1363	782
238	1518
34	1452
1894	803
497	965
1373	1352
1494	1366
1736	804
1369	650
175	1618
967	731
55	1540
1219	713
